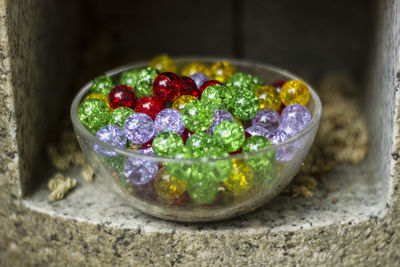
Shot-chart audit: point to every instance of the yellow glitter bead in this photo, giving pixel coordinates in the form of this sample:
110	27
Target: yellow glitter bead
167	186
222	71
238	121
181	102
241	179
99	97
195	67
268	97
163	63
295	92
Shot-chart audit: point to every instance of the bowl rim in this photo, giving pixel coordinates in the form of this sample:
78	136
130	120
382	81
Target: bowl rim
246	63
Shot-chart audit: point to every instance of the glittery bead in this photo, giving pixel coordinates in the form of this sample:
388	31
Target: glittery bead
278	85
207	84
130	78
166	143
219	116
168	187
139	128
145	81
216	97
186	135
244	104
199	78
243	81
256	131
113	135
178	169
266	118
215	170
261	160
102	85
285	153
169	120
241	179
268	97
229	135
195	67
199	143
296	113
150	105
295	92
202	192
119	115
180	103
189	87
222	71
122	96
196	116
99	97
93	114
140	171
163	63
167	86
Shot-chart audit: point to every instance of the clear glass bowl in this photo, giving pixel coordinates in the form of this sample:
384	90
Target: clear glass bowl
257	178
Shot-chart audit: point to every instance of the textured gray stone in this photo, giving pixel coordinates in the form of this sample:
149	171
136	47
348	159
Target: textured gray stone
92	226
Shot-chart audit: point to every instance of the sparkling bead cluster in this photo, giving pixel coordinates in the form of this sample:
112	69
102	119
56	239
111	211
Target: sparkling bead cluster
198	118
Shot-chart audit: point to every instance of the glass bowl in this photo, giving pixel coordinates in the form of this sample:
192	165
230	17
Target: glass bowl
254	178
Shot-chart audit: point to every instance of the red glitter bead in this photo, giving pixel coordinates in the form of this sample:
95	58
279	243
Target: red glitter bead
189	87
207	84
281	108
186	134
150	105
122	96
167	86
278	85
236	152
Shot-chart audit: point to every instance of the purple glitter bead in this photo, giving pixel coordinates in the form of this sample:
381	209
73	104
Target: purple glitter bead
139	128
279	137
199	78
219	116
296	113
140	171
113	135
169	120
257	131
285	153
292	128
266	117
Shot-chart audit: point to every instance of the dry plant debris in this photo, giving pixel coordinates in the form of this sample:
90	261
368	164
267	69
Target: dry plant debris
60	186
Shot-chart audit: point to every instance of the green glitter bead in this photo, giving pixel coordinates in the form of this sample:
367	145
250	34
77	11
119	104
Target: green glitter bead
119	115
216	170
93	114
229	135
130	77
197	117
216	97
180	170
202	192
244	105
145	81
200	142
166	143
244	81
102	85
263	162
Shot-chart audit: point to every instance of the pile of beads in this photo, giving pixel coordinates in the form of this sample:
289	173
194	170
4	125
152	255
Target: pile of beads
206	113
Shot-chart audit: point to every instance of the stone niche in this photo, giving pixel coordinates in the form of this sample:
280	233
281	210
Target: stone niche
48	49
